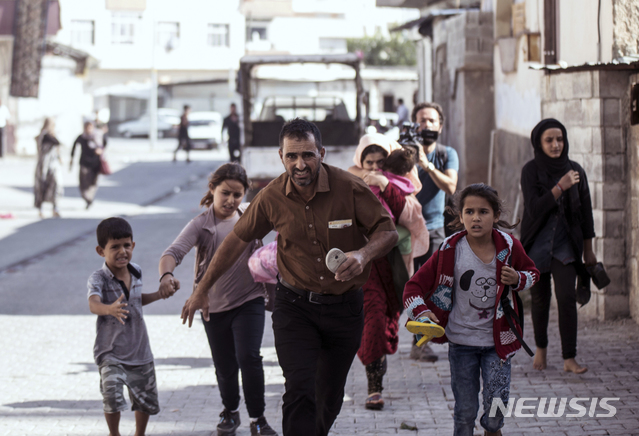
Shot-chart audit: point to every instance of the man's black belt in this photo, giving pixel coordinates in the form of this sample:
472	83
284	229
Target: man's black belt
316	298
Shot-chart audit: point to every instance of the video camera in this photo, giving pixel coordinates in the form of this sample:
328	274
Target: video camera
409	137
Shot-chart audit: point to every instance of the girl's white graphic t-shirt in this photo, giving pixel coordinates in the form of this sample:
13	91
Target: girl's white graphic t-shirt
474	296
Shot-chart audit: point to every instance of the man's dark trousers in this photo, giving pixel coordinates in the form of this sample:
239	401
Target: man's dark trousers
316	345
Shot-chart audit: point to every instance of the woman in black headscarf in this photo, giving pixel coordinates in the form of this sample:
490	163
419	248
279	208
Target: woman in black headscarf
556	230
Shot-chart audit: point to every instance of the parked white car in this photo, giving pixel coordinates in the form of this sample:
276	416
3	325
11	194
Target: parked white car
168	122
205	128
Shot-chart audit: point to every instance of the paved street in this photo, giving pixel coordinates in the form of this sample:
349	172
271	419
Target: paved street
49	383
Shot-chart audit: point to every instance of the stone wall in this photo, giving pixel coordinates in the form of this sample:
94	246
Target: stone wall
510	153
463	85
592	105
625	28
632	236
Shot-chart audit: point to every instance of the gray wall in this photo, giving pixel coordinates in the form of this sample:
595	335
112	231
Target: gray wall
632	234
510	153
463	84
593	105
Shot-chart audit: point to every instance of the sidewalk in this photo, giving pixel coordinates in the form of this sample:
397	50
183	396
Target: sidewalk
51	386
49	383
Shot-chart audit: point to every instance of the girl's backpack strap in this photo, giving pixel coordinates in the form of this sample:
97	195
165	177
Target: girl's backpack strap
512	318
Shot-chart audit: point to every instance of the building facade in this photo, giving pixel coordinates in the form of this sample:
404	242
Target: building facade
574	60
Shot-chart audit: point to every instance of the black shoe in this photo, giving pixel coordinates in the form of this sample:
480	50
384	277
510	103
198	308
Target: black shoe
229	422
261	427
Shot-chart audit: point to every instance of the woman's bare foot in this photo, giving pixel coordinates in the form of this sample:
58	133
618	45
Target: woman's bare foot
540	359
571	365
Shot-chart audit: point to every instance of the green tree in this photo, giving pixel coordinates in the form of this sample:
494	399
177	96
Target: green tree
381	51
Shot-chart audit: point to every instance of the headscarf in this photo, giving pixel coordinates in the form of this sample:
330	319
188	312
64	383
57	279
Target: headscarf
555	167
389	145
374	139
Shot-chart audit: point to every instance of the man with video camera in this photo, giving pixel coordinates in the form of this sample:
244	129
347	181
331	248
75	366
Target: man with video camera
437	167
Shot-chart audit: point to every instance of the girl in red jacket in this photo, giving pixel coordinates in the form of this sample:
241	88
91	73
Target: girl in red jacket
460	288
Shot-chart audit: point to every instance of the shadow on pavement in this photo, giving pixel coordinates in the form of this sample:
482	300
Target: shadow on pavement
79	405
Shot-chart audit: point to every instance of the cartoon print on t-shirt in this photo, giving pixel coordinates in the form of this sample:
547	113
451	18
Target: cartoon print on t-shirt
482	289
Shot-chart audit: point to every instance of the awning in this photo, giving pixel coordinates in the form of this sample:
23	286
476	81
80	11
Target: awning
424	23
622	63
83	60
348	58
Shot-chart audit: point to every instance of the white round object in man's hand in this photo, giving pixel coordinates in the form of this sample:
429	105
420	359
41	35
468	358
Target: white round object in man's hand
334	258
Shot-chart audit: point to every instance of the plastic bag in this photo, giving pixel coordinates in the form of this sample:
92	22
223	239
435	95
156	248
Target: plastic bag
263	264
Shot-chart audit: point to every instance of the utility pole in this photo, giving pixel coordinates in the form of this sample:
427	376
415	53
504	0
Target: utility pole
153	98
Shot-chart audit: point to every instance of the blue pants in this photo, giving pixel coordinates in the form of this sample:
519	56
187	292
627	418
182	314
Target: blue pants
466	363
235	338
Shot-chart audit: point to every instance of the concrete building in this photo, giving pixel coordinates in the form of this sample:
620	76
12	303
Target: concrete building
574	60
195	41
191	41
194	47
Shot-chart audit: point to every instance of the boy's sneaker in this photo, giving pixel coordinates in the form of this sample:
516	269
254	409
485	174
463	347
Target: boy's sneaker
229	422
261	427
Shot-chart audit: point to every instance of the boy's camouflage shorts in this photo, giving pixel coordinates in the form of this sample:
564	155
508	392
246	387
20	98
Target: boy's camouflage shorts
139	379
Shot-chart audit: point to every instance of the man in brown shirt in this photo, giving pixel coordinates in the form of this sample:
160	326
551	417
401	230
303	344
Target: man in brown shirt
318	316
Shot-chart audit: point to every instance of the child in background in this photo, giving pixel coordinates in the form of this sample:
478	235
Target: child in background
413	234
370	157
122	351
460	287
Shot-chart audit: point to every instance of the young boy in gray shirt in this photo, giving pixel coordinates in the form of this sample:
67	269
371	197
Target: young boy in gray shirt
122	351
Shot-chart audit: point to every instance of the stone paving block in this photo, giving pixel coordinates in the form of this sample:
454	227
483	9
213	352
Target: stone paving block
186	381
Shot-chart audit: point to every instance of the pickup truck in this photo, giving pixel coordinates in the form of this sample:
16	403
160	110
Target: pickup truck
340	133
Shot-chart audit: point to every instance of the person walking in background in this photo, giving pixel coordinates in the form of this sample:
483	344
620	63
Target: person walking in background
318	315
184	141
438	166
5	115
236	302
48	175
92	144
402	112
556	230
382	304
232	125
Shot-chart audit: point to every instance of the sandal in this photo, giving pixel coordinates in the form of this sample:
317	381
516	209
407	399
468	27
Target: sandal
374	402
427	330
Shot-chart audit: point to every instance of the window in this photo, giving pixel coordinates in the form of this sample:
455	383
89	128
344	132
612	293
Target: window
168	34
389	103
82	32
257	31
332	45
218	35
123	28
